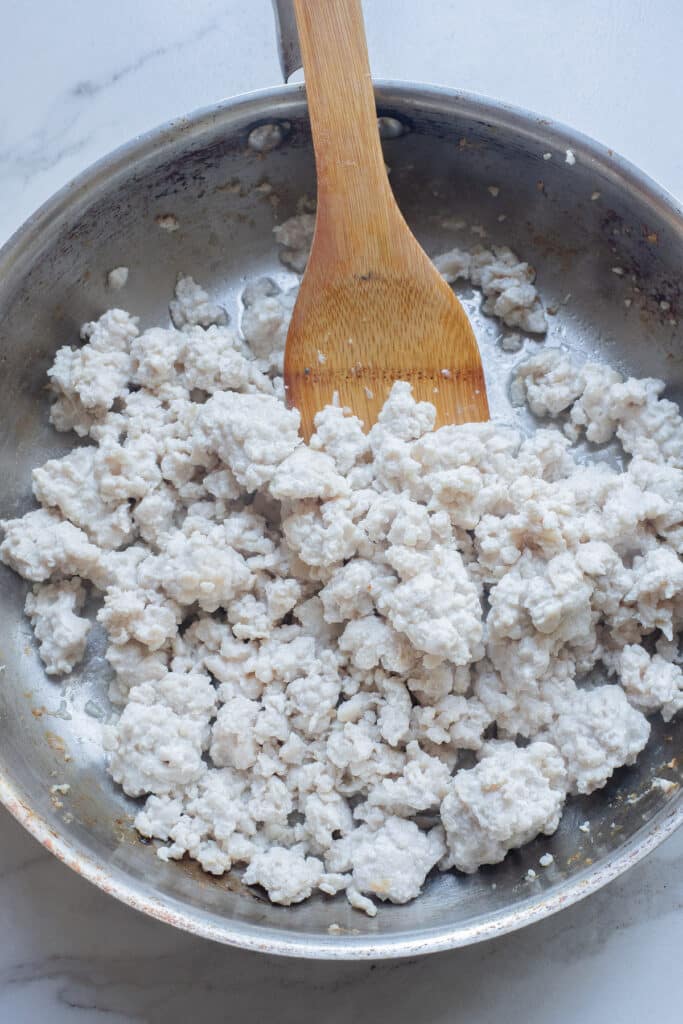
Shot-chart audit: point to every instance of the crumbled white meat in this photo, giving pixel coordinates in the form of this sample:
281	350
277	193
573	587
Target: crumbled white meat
438	609
370	642
265	319
154	750
506	283
117	278
288	876
310	645
322	535
454	264
341	436
391	862
596	733
61	633
197	568
192	306
154	355
251	434
649	426
142	615
547	382
651	683
41	544
189	694
133	665
421	786
87	380
69	484
589	411
212	361
295	236
511	796
154	515
307	474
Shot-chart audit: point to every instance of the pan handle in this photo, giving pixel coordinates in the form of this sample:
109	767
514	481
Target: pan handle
287	38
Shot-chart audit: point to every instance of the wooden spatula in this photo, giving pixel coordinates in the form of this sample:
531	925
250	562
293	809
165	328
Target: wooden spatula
372	308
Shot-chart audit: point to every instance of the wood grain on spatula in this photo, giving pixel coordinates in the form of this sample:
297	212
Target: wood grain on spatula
372	309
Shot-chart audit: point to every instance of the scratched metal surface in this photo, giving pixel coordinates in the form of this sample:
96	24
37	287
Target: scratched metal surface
453	149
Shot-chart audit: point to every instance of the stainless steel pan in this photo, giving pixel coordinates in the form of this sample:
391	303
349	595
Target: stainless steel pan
574	222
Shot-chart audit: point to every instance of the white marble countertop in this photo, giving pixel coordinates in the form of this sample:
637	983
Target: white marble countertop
76	79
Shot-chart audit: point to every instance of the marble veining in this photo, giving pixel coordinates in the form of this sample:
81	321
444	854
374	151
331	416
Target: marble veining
47	144
79	78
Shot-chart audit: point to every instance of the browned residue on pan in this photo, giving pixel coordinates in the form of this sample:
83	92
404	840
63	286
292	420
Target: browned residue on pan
57	744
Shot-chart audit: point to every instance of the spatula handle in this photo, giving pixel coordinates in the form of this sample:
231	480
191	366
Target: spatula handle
355	203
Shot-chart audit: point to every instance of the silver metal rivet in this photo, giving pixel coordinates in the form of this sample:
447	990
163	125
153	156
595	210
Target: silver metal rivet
390	127
265	137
